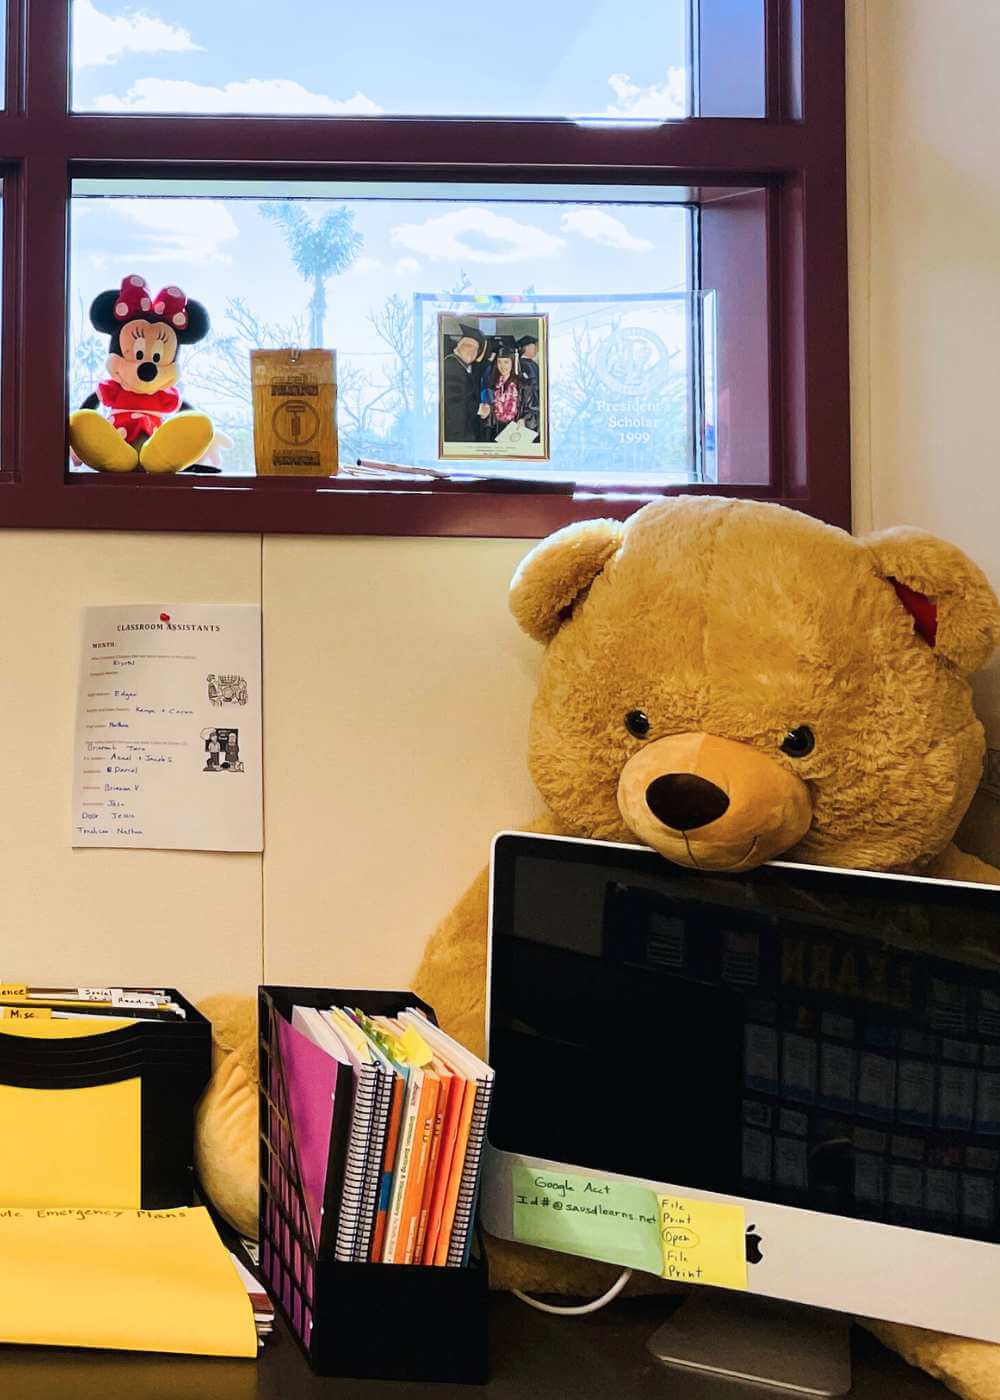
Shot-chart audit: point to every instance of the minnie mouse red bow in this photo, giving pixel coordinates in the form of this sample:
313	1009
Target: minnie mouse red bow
134	299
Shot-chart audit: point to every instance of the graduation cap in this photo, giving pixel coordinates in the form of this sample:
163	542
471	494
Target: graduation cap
526	340
505	345
470	333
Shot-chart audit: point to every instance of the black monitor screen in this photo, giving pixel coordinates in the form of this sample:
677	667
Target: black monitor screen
817	1039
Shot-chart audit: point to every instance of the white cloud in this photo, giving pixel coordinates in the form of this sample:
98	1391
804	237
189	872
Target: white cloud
654	103
405	267
265	95
363	265
191	231
604	229
98	38
476	234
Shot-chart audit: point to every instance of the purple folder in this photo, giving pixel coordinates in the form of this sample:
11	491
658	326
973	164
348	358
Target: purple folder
311	1086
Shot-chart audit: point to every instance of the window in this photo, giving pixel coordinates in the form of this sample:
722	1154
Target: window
661	185
392	59
613	266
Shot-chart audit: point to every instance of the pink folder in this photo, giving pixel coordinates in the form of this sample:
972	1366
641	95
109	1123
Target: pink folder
311	1085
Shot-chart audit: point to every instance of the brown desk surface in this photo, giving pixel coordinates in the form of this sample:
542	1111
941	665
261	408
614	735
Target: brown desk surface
534	1357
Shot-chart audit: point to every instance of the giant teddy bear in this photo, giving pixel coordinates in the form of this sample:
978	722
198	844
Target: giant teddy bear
727	682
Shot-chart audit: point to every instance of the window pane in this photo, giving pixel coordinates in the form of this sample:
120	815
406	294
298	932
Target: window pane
593	59
368	269
730	46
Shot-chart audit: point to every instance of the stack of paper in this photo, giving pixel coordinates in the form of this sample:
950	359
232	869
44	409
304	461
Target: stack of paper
19	1002
263	1308
388	1119
132	1280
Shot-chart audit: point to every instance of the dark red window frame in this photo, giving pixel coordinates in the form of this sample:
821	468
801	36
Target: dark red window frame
795	401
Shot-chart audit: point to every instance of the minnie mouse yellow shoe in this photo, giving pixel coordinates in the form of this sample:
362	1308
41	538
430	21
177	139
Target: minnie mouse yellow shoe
100	445
178	443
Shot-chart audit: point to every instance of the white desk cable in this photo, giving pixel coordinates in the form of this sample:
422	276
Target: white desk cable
582	1308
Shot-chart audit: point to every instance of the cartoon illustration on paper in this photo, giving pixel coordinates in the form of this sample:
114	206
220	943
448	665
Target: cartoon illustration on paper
227	690
222	750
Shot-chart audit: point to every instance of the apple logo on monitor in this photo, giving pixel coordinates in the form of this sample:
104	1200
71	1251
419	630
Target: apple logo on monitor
754	1255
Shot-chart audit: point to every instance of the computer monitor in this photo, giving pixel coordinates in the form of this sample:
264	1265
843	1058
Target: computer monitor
821	1047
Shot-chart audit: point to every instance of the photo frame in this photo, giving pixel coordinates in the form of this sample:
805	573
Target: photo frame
493	386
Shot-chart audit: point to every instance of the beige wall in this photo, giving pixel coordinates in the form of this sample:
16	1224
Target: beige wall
396	693
92	916
925	296
396	701
397	688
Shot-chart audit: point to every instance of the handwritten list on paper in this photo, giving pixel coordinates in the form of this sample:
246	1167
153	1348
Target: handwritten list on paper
168	731
703	1241
623	1222
598	1217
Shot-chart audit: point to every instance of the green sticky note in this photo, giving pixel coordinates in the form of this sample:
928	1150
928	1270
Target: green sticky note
595	1216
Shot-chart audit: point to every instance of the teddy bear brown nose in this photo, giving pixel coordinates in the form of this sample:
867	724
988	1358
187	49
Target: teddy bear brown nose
147	372
685	801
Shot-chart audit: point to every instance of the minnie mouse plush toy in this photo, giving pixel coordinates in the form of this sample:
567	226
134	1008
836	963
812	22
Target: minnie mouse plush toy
143	423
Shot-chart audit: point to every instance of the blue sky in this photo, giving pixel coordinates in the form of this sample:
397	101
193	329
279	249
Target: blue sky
557	58
588	57
220	248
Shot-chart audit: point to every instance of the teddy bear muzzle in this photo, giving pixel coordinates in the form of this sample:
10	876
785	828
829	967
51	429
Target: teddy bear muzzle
711	803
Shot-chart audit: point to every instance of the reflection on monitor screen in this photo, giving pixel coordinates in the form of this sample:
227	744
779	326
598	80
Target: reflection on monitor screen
797	1037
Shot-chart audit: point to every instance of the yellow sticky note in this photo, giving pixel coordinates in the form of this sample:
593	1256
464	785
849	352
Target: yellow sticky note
13	989
703	1242
134	1280
415	1049
26	1013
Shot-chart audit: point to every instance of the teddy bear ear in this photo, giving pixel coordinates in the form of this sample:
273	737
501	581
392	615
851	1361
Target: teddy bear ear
954	609
551	578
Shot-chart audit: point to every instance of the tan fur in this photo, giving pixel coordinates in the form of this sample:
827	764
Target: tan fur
736	621
226	1117
971	1369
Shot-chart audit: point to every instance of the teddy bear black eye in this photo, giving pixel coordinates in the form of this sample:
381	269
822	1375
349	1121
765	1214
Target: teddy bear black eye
156	356
637	723
799	742
138	354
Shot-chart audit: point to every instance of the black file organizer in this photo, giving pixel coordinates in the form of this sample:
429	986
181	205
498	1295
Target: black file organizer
404	1322
172	1059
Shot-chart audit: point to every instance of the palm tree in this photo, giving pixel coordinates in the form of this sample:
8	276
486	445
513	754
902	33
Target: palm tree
319	249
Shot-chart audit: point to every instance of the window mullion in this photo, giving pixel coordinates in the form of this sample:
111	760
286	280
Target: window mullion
39	333
719	147
45	58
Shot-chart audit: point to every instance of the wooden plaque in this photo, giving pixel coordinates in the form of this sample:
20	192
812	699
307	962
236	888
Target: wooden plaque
294	412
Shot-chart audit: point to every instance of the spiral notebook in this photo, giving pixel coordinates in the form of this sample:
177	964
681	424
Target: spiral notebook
387	1116
363	1073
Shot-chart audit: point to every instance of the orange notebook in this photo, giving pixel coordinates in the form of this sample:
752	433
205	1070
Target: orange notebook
449	1136
455	1175
414	1193
447	1078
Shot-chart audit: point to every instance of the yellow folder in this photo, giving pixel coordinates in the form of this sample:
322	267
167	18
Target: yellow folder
81	1145
131	1280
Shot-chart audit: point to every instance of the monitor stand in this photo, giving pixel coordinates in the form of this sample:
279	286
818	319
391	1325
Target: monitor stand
745	1337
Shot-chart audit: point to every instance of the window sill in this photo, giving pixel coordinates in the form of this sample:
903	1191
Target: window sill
455	507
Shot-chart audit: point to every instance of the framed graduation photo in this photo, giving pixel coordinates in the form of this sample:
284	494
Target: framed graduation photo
493	387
